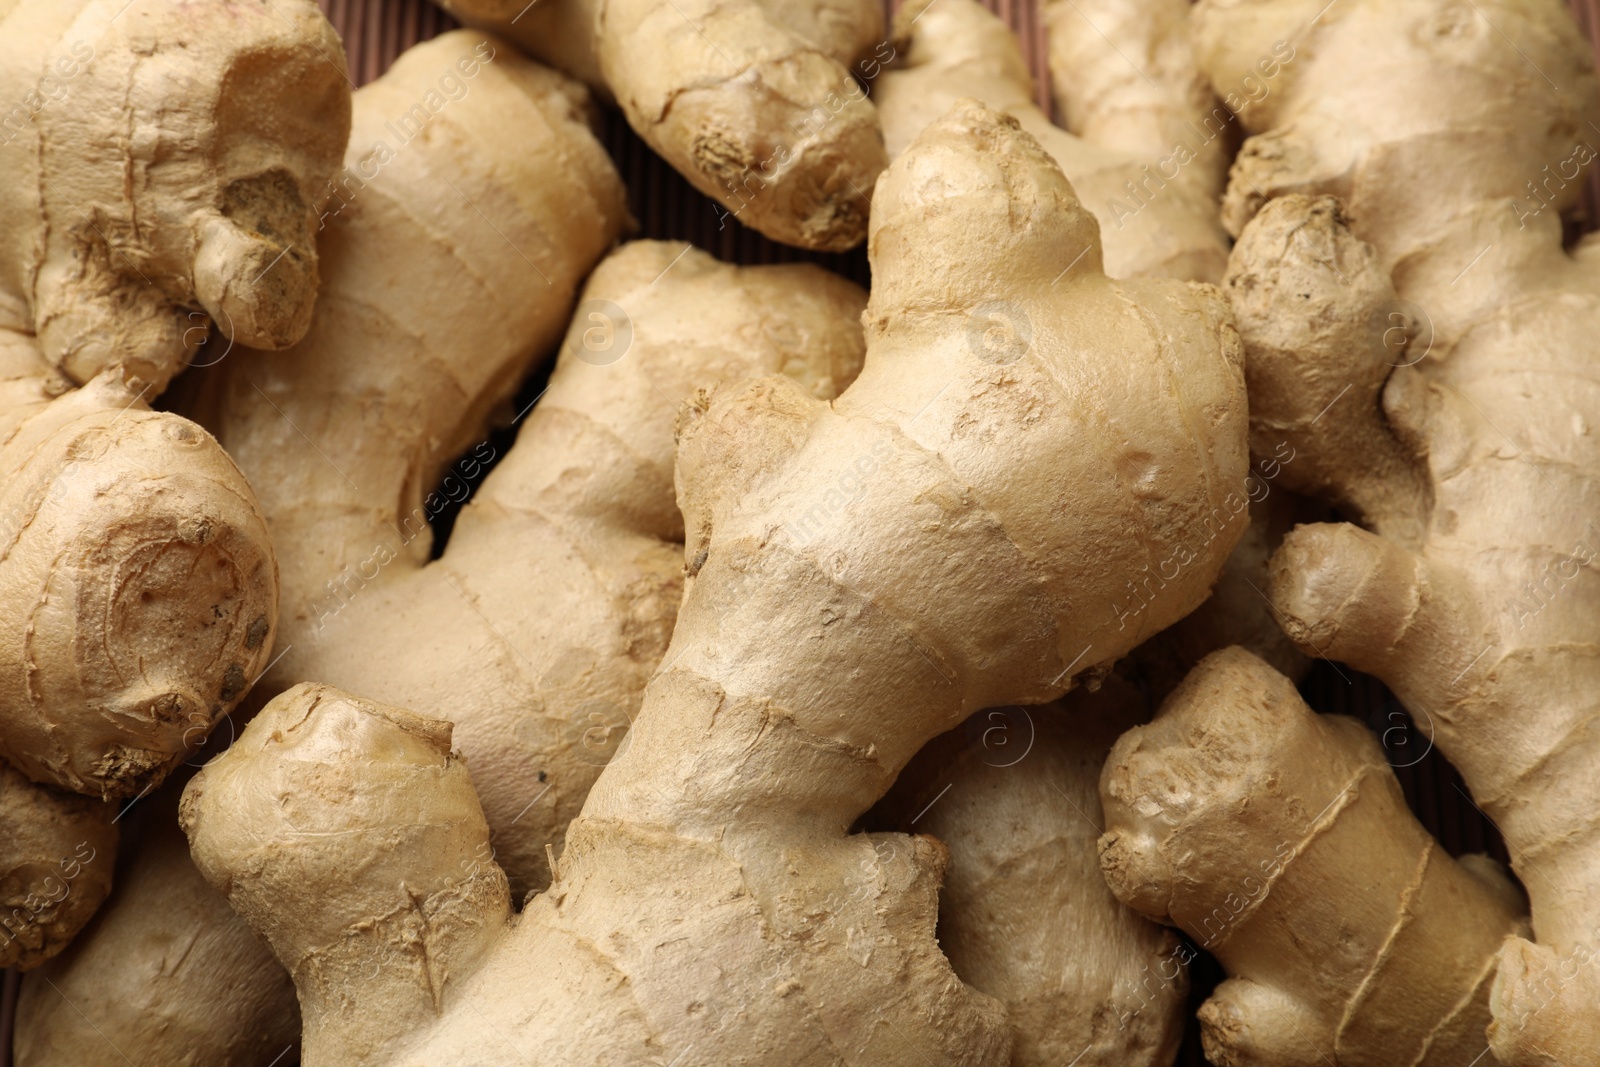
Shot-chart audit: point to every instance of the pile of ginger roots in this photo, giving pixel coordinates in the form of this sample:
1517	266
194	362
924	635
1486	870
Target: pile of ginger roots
446	628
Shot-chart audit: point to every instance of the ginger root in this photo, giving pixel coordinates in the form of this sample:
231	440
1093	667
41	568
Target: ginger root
166	972
753	101
1470	395
734	915
1024	913
1280	842
1152	183
55	867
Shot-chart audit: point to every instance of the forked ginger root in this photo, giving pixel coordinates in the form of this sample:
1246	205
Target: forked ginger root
753	101
153	162
1152	185
735	918
1280	842
1452	152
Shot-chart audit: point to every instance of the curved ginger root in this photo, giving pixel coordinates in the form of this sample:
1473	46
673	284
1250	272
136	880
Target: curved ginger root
1154	195
1231	816
753	101
1470	393
710	903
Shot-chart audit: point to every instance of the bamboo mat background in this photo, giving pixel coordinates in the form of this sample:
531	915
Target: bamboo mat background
376	31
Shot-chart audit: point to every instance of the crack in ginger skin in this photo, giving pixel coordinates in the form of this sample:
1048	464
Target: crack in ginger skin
752	101
1432	150
703	860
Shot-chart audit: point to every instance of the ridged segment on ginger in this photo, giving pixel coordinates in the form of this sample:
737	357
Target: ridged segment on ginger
149	587
711	904
755	102
550	645
1155	197
1485	623
542	651
1231	815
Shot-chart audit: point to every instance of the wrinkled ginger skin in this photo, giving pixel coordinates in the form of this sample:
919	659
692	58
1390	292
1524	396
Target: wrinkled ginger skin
1232	813
542	662
753	101
1024	913
162	159
55	867
1454	151
1152	226
740	921
166	974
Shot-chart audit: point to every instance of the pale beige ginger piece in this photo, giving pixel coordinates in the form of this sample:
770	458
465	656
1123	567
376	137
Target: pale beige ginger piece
1280	842
710	904
555	597
1079	977
204	994
554	600
755	102
1454	136
55	866
160	159
1154	195
160	166
1024	913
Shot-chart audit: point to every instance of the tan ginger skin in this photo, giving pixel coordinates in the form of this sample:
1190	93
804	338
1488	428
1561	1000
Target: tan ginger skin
154	165
1280	842
1024	913
1454	137
132	537
162	975
755	102
1139	158
710	904
541	668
